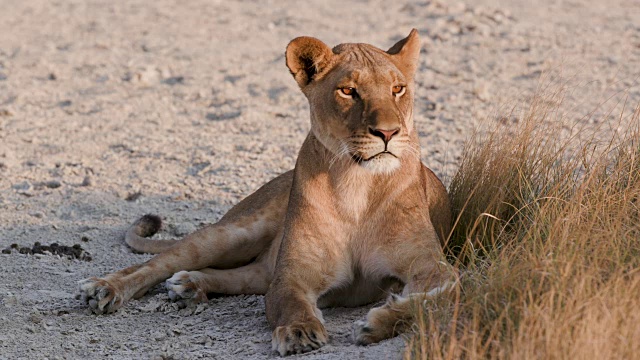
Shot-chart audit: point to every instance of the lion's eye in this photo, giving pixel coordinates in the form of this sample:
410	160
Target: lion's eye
347	92
398	90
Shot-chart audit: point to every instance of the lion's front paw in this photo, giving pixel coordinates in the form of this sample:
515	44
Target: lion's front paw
102	297
299	338
183	287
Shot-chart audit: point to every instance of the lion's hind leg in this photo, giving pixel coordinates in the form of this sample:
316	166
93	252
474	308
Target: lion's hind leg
395	315
243	235
193	286
426	274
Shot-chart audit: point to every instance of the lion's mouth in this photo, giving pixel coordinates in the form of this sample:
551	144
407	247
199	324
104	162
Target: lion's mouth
360	159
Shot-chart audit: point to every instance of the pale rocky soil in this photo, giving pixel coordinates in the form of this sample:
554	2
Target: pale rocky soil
190	104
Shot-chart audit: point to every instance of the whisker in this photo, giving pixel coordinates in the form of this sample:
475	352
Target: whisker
345	149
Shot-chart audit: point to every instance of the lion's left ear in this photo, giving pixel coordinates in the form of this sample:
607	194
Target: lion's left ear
406	53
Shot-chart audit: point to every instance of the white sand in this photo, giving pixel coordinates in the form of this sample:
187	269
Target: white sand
191	104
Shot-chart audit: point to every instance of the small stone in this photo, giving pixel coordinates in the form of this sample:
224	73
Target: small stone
10	300
183	229
87	181
220	115
481	91
145	77
35	317
173	80
134	196
22	186
52	184
37	214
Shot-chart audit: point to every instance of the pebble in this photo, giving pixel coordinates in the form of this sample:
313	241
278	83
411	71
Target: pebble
481	91
10	300
159	336
35	317
87	181
133	196
52	184
22	186
37	214
183	229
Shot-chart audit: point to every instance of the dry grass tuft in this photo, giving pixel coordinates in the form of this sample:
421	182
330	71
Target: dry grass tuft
548	244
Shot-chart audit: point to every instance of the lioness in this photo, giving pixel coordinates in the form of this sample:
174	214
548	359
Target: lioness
358	218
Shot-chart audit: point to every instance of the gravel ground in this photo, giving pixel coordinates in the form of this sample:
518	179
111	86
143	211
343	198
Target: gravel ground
110	110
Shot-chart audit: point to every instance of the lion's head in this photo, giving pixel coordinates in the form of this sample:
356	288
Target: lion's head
361	98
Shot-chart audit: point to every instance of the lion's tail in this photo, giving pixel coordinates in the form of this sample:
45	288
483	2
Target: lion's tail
146	226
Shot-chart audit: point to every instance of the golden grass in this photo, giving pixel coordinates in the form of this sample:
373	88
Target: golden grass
548	245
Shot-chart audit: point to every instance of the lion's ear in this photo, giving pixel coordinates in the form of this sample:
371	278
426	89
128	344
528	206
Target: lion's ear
307	56
406	53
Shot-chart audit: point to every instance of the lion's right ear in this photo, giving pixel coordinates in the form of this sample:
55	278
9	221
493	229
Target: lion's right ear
306	57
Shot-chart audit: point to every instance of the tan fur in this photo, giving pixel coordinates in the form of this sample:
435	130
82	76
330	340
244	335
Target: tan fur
359	217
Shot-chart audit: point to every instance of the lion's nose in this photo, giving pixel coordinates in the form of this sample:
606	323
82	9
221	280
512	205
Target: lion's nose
385	135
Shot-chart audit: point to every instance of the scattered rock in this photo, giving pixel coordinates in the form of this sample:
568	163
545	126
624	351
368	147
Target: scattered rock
7	159
35	317
134	196
481	91
152	75
173	80
196	168
223	115
52	184
10	300
37	214
22	186
87	181
183	229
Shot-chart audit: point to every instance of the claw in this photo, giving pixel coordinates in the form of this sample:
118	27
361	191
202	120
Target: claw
101	296
182	288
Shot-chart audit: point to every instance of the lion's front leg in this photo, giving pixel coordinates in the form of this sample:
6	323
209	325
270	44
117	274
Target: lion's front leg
307	267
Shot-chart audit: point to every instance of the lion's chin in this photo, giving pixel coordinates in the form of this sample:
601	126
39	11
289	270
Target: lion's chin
383	163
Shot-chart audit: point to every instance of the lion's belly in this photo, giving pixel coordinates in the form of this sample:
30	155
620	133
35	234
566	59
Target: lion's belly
360	291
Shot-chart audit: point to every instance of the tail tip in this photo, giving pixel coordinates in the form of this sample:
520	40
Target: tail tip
149	224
